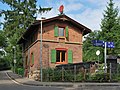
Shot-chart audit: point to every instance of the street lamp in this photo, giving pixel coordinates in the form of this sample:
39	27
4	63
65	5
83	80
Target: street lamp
14	56
41	51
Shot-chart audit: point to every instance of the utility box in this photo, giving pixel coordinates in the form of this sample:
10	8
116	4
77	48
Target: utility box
113	61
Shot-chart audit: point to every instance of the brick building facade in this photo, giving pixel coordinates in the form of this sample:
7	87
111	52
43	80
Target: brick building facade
61	43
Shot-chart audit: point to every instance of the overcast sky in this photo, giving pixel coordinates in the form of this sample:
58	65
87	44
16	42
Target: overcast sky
86	12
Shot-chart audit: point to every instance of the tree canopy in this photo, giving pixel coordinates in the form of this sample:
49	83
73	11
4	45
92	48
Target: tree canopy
110	29
18	18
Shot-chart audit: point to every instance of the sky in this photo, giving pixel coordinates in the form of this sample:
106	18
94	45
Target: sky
87	12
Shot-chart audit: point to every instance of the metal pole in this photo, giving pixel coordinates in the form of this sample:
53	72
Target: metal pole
14	58
105	59
41	53
98	61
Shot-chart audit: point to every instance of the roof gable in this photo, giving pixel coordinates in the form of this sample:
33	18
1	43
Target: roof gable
63	17
68	19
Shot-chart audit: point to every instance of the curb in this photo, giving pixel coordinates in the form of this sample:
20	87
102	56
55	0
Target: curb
49	84
11	78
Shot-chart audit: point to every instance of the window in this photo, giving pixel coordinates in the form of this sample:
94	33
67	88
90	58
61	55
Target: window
61	31
60	56
32	59
26	62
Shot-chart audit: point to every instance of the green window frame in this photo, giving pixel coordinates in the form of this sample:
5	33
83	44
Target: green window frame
32	59
70	56
67	33
53	56
56	31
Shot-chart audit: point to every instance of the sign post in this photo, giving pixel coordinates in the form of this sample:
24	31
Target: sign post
105	58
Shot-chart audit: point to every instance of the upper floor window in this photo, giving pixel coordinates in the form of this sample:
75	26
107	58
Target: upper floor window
61	31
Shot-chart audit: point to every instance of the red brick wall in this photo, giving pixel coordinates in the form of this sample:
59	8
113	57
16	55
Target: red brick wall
74	43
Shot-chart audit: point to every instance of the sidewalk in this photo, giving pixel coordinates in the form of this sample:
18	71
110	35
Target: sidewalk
27	81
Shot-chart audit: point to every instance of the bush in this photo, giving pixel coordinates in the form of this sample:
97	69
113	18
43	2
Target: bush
4	64
80	77
20	71
57	75
68	76
48	74
101	77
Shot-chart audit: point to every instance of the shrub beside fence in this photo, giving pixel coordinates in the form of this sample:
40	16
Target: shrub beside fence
75	74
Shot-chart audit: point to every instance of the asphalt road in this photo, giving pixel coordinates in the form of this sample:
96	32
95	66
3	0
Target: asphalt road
7	84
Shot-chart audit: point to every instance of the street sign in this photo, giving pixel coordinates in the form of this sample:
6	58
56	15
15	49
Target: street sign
97	42
110	45
101	43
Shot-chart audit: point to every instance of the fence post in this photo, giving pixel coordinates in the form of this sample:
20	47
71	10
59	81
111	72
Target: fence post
74	72
62	73
117	69
110	71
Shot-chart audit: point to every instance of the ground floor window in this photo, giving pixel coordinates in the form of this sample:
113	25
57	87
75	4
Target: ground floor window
61	56
32	59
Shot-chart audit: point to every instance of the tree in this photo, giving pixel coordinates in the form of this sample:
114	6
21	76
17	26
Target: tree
110	29
109	26
4	64
17	20
89	51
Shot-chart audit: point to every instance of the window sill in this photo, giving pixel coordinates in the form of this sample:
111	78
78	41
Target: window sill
61	37
61	63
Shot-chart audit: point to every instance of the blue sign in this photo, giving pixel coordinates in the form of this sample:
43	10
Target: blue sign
110	44
102	43
98	42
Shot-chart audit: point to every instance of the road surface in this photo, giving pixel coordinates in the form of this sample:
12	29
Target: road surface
7	84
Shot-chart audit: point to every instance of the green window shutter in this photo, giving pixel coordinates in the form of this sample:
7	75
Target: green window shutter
67	33
56	31
32	58
53	55
70	56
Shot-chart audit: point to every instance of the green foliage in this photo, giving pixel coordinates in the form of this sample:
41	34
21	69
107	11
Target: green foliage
110	26
4	64
16	24
48	74
89	51
20	71
80	77
3	41
57	75
68	75
17	19
101	77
